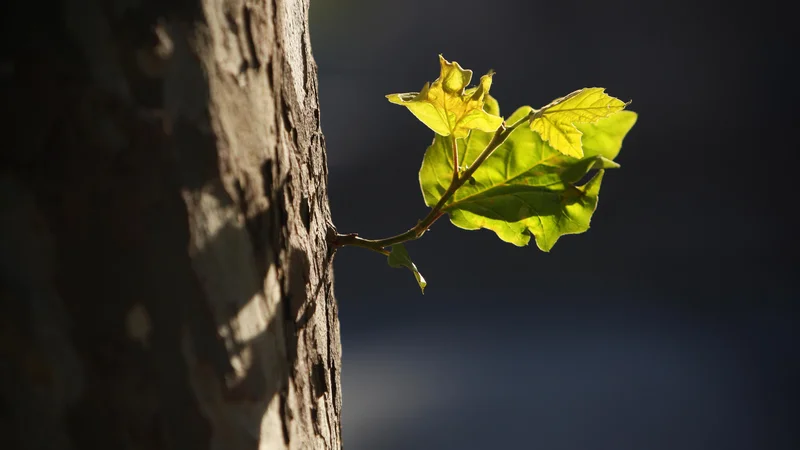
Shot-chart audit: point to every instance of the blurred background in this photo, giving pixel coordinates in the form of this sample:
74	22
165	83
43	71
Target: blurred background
671	324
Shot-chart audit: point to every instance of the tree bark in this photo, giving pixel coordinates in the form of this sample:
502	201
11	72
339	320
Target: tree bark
164	272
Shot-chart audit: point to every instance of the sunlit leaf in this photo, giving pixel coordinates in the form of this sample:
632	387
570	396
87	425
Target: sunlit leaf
491	106
399	258
525	188
605	137
447	107
556	122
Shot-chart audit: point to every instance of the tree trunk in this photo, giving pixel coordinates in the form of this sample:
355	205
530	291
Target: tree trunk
164	272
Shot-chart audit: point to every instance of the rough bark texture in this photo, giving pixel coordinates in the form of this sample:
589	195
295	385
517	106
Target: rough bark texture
164	271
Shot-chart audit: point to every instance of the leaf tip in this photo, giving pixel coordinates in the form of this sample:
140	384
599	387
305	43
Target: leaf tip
452	76
398	257
545	245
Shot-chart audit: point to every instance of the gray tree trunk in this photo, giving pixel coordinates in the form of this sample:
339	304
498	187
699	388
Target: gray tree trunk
164	272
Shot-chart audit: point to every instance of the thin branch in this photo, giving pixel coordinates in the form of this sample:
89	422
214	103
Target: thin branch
502	133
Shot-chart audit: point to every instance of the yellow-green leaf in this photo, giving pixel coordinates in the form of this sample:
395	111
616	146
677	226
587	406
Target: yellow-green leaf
555	122
491	106
524	189
605	137
398	257
447	107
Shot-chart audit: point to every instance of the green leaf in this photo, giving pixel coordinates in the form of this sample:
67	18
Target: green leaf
525	188
399	258
555	122
447	107
491	106
605	137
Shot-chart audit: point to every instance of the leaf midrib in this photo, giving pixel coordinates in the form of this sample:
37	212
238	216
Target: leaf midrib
503	184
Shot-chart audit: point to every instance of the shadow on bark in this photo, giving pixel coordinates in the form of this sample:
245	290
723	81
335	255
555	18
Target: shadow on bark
108	339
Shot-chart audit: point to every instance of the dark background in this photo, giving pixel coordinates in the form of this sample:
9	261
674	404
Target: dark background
671	324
